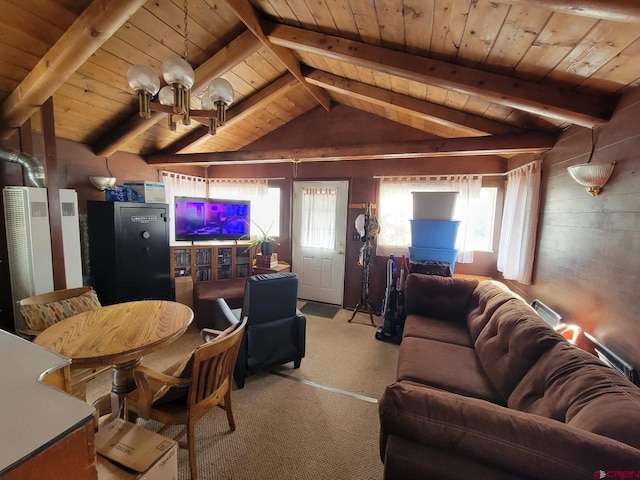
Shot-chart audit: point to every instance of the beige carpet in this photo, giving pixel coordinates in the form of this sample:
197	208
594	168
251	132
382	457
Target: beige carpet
288	429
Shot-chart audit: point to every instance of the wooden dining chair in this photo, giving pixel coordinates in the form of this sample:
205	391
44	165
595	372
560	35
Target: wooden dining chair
183	395
41	311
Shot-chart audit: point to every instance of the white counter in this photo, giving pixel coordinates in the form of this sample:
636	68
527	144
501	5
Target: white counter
33	415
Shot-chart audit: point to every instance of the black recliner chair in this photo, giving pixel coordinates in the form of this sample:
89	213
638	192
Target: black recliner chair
276	329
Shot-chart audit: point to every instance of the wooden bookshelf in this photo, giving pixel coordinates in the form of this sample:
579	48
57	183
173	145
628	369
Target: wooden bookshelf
211	262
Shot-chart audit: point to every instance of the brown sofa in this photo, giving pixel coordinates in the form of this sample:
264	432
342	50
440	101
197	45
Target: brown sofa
486	389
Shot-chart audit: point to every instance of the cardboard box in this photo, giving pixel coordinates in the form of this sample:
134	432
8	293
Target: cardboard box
145	192
130	452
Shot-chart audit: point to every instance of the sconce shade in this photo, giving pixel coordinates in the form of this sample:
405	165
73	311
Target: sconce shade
592	176
102	183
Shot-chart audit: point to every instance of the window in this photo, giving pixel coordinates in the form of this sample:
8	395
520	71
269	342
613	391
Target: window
318	224
475	208
265	201
270	215
483	210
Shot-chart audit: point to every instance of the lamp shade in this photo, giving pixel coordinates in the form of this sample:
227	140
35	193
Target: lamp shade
165	96
220	90
592	176
102	183
142	77
177	70
207	103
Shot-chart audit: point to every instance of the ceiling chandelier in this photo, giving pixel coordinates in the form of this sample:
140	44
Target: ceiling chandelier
175	97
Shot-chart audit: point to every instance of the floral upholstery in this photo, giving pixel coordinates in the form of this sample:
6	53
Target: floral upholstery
40	316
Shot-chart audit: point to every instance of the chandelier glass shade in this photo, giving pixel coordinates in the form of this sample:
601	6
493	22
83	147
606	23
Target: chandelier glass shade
592	176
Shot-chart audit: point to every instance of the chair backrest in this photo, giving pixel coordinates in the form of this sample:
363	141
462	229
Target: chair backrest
270	297
43	310
213	363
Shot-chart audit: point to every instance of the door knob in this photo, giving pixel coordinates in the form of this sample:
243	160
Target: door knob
340	252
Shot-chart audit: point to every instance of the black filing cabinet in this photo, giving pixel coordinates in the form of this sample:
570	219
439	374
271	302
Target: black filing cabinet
129	251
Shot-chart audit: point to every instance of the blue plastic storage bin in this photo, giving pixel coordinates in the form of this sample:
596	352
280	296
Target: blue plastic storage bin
434	233
436	254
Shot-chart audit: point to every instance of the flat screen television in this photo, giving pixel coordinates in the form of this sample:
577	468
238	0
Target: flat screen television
199	219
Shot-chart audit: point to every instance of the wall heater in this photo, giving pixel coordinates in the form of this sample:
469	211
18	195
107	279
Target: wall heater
29	243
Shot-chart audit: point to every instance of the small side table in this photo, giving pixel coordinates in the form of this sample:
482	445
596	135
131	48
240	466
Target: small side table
281	267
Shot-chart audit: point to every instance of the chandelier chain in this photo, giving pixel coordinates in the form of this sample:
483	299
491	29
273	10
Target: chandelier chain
186	31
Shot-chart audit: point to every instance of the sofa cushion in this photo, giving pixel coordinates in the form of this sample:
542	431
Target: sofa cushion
486	298
454	368
433	296
573	386
511	342
437	329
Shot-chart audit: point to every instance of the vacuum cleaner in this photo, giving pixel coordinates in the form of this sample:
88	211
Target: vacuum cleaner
393	303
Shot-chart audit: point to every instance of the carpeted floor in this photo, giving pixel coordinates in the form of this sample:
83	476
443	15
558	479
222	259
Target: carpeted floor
316	422
320	309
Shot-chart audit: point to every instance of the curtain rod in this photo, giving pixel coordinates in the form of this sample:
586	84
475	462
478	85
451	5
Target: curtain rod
444	175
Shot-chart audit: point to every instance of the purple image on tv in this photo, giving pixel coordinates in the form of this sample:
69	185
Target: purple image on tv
211	219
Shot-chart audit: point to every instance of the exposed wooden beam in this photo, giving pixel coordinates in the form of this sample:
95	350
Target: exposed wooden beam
236	113
91	29
546	101
624	11
462	123
224	60
247	15
508	144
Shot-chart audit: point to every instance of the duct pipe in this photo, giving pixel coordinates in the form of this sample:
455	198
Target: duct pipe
35	169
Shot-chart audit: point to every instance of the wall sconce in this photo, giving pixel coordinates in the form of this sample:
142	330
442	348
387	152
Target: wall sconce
102	183
592	176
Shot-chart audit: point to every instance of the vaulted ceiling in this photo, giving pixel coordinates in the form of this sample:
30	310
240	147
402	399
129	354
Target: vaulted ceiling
513	72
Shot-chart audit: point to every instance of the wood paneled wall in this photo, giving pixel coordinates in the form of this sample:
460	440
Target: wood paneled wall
588	253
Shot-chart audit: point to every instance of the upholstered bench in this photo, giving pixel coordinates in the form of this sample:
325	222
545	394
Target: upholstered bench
205	295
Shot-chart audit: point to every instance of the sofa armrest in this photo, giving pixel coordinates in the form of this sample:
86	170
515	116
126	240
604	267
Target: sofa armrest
523	443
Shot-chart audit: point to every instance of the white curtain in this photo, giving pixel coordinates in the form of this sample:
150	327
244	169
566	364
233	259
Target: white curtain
520	223
179	185
396	209
252	189
318	223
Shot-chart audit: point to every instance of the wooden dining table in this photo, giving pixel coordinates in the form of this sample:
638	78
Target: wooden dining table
119	336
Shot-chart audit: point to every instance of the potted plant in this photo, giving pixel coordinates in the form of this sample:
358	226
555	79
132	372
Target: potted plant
264	240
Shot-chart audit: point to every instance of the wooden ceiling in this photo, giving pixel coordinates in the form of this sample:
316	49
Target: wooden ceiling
514	72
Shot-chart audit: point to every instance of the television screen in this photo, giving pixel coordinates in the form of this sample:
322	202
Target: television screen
211	219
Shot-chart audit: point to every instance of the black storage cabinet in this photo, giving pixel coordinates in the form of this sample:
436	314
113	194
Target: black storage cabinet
129	251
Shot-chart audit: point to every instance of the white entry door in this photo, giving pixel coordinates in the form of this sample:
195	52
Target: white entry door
319	235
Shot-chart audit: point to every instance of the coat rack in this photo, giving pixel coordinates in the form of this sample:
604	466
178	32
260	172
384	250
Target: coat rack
370	231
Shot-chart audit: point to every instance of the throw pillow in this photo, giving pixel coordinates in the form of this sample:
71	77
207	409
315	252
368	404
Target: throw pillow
39	317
